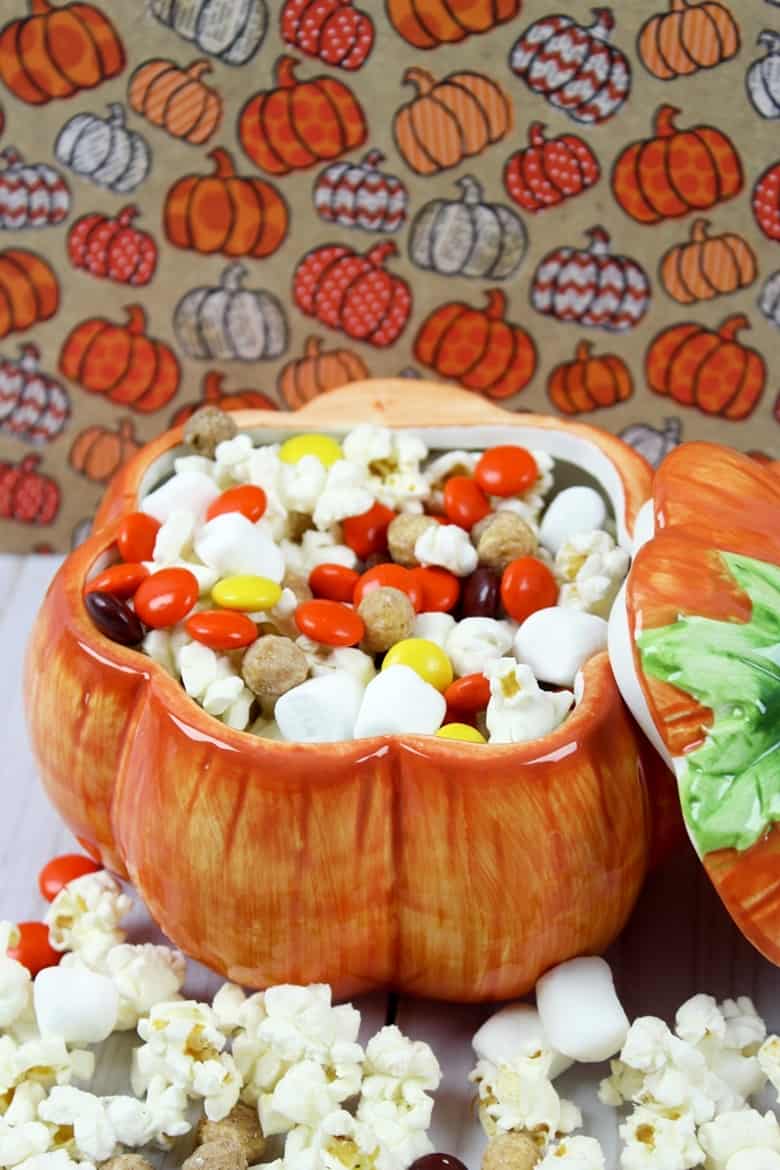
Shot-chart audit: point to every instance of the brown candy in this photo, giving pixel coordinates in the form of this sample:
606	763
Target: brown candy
402	534
220	1155
272	666
114	618
207	428
241	1126
388	616
510	1151
480	594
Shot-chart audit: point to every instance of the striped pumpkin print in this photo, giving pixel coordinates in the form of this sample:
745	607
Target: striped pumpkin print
176	99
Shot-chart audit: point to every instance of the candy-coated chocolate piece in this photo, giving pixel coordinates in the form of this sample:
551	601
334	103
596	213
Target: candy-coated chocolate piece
248	499
440	589
136	536
325	448
437	1162
468	694
397	577
527	585
166	597
464	501
479	594
329	622
366	534
246	592
333	582
34	950
63	869
119	580
461	731
425	658
506	471
220	629
114	618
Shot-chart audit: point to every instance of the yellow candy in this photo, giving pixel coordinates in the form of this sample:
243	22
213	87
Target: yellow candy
424	657
461	731
247	593
326	449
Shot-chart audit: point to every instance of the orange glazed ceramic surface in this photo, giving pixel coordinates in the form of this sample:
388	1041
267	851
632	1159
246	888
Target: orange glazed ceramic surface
439	868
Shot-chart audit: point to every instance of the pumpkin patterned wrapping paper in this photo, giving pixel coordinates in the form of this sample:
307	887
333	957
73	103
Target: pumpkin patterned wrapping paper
569	208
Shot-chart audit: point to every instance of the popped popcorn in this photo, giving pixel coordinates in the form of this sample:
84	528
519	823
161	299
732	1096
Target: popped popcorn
315	549
519	710
42	1060
54	1160
144	975
322	659
346	493
442	468
477	641
22	1135
448	546
85	916
520	1096
574	1153
657	1140
301	484
392	461
342	1142
174	538
15	981
304	1095
590	568
731	1132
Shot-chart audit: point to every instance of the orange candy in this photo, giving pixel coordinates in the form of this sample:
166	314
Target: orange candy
367	534
221	629
248	499
527	585
464	501
136	536
329	622
119	580
468	694
440	589
61	870
166	597
395	576
506	471
333	582
34	950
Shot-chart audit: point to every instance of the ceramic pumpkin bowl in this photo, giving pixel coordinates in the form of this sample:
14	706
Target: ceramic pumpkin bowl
445	869
694	643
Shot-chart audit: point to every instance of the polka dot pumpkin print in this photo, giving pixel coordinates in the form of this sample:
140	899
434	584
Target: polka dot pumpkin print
354	293
335	31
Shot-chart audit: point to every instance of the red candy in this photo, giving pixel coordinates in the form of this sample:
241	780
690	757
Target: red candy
119	580
333	582
330	623
367	534
34	950
61	870
506	471
464	501
395	576
468	694
136	536
166	597
440	589
247	499
221	629
527	585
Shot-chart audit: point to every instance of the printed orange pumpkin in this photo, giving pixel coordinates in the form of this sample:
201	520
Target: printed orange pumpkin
223	212
212	394
56	52
121	362
29	291
477	348
317	372
176	99
427	24
26	494
707	266
550	170
589	382
687	38
449	120
706	368
676	171
333	30
98	451
112	248
300	123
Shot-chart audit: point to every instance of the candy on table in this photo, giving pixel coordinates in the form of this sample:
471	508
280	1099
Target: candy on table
425	658
527	585
397	702
321	710
557	642
575	509
29	945
79	1005
580	1011
519	710
63	869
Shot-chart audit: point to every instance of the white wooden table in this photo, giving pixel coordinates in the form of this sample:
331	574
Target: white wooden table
679	941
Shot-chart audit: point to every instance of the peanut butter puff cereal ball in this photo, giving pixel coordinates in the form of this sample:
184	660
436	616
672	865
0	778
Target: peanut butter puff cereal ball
221	1155
502	538
207	428
272	666
388	616
241	1126
402	534
126	1162
510	1151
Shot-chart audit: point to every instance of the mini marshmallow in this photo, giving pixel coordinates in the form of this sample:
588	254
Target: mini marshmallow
198	668
76	1004
320	710
580	1011
399	702
192	491
557	642
326	659
434	627
477	641
516	1030
447	546
174	537
232	544
576	509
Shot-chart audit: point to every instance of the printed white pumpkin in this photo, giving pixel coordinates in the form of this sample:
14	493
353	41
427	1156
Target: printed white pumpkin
769	301
763	77
104	151
228	322
32	195
359	195
232	30
467	236
33	406
652	443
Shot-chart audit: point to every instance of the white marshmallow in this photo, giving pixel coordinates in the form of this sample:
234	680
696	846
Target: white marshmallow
75	1004
516	1030
576	509
191	491
320	710
557	642
399	702
434	627
580	1011
233	544
475	642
